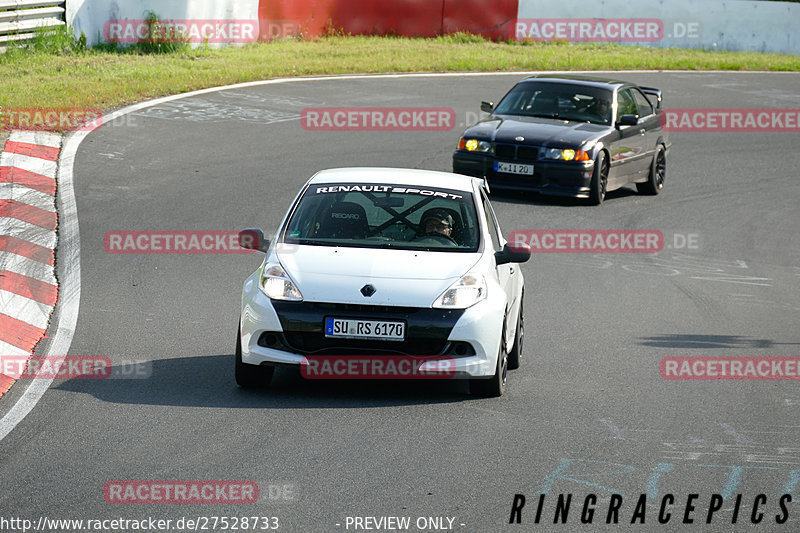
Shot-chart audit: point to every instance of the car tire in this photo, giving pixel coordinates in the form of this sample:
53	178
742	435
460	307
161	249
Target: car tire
515	355
494	386
251	376
658	172
599	184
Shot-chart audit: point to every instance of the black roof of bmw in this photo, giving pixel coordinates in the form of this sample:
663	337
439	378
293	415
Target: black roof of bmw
604	83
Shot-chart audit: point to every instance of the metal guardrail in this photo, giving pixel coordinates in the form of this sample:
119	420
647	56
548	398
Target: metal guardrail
19	19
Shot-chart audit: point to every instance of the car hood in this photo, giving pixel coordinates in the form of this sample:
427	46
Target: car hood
401	277
536	131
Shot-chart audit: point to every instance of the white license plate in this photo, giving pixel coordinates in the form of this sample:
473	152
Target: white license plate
514	168
348	328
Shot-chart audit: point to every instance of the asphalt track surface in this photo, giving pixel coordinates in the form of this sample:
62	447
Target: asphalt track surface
588	411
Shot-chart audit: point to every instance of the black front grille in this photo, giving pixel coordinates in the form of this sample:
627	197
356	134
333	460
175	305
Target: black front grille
506	151
513	152
427	329
318	344
364	309
528	153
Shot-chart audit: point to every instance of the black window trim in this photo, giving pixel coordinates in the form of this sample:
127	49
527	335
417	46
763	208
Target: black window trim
652	107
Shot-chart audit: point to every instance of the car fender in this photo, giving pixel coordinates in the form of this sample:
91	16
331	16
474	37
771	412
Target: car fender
594	147
482	325
513	313
257	313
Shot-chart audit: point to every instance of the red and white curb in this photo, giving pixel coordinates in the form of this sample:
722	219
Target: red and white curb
28	223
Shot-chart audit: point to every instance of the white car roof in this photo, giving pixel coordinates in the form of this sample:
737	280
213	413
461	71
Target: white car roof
396	176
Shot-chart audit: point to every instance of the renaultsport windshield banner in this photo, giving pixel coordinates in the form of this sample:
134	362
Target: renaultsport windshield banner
390	189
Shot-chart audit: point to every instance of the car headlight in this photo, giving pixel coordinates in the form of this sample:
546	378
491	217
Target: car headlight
277	284
566	154
474	145
464	293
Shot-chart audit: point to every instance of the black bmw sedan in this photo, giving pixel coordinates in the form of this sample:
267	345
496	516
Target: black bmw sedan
569	136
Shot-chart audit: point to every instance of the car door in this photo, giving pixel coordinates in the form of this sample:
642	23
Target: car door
628	152
508	275
650	122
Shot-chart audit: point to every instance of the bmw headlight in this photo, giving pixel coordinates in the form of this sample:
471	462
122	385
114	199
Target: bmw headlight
474	145
464	293
566	154
277	284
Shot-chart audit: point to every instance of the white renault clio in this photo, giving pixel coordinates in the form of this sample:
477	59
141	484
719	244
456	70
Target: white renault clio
386	262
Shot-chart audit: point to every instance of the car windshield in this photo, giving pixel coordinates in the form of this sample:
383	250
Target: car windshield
385	216
558	100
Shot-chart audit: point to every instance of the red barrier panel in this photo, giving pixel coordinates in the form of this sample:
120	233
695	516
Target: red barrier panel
494	19
410	18
286	18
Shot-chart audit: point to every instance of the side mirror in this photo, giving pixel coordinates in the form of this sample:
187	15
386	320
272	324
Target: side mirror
487	107
628	120
519	253
253	239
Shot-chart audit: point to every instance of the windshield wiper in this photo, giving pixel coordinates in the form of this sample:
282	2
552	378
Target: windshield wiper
312	242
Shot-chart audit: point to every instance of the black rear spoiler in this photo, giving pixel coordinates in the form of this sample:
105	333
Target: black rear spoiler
655	93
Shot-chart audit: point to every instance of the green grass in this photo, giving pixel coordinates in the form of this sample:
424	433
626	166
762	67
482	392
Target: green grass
68	75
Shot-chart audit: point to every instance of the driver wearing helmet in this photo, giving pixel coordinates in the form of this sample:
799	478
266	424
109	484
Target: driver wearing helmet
437	223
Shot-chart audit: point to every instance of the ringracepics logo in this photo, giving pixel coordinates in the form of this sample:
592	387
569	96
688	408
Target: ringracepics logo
378	119
50	118
594	30
175	242
181	492
646	509
588	241
731	120
377	367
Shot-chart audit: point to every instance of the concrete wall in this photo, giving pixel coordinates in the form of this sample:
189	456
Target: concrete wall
91	16
707	24
737	25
